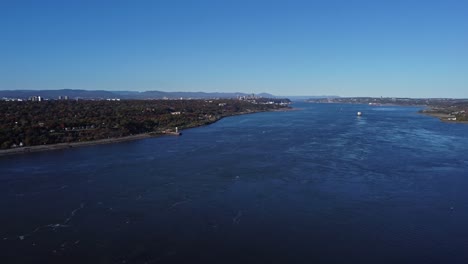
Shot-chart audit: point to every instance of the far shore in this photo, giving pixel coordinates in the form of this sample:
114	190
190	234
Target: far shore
443	117
40	148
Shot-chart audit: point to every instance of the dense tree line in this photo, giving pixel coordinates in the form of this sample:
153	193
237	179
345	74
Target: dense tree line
50	122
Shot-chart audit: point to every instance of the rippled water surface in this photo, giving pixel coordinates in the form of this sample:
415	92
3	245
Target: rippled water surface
315	185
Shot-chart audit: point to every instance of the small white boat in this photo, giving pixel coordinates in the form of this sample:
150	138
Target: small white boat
359	113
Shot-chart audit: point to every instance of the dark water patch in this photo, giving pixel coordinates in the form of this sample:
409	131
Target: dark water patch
314	185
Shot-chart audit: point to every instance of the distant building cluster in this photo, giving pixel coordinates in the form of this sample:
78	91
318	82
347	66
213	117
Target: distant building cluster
12	99
261	100
35	98
248	97
38	98
252	98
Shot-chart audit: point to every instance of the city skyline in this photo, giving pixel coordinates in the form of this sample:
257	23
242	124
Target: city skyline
295	48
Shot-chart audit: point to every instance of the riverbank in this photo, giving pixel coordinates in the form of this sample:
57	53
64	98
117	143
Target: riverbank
443	117
41	148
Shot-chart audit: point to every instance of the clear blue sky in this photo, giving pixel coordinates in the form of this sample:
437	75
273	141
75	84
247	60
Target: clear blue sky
348	48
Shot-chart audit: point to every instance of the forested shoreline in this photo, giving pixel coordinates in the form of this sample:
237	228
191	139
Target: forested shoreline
24	124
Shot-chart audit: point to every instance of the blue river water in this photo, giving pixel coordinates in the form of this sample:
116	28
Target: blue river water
313	185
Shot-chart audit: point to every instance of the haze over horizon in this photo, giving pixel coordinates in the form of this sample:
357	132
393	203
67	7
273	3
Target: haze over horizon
294	48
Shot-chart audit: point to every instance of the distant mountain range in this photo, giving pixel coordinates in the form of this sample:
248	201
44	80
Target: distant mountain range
101	94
